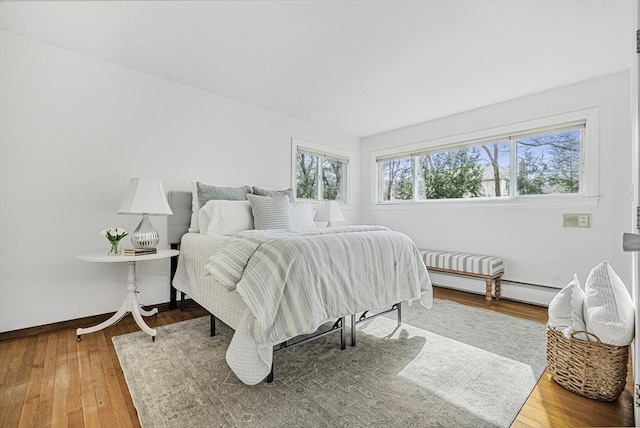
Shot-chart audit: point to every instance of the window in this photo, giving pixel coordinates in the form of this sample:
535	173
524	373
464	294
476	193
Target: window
549	163
549	160
319	174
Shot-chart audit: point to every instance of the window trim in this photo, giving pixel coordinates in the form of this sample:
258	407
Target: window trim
324	151
589	180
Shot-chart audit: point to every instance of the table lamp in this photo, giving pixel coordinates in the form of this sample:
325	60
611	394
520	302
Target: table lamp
329	211
145	196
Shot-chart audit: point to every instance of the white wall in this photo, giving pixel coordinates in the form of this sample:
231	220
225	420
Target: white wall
535	246
73	131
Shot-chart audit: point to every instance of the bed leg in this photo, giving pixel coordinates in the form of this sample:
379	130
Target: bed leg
343	344
353	330
181	301
172	296
213	326
172	290
270	376
399	314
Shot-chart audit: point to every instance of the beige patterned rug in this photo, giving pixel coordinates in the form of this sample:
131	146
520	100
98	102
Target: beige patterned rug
451	366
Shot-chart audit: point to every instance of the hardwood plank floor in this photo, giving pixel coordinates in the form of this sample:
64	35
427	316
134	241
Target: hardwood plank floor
49	379
549	404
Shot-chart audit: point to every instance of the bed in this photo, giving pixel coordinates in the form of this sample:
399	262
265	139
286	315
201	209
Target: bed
271	286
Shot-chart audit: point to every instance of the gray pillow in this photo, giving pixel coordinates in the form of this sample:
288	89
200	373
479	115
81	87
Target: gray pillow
266	192
207	193
270	212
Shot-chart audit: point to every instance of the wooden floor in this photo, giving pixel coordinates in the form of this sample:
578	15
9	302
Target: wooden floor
549	404
49	379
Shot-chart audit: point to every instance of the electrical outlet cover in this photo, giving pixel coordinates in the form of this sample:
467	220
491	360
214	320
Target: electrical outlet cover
582	220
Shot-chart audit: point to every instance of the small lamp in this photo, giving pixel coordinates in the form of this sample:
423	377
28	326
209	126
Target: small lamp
329	211
146	197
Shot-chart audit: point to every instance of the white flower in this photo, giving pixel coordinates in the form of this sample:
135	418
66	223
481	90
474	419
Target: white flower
114	234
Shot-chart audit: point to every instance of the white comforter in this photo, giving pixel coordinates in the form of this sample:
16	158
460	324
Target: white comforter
293	282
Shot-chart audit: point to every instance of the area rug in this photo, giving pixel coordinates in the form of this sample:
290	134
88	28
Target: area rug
451	365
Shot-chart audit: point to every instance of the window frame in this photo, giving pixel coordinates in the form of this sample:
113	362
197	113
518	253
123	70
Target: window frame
326	152
589	179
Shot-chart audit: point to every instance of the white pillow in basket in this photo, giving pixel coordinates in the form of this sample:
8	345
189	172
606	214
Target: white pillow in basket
608	308
566	309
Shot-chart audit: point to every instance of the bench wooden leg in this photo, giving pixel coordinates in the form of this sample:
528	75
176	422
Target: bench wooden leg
489	282
498	283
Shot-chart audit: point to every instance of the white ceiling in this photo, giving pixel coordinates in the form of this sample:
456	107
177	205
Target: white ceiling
358	67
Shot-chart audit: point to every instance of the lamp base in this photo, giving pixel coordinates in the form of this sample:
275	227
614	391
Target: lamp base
145	235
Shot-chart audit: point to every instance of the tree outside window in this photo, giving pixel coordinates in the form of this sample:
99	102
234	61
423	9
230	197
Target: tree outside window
451	175
549	163
320	175
397	179
306	176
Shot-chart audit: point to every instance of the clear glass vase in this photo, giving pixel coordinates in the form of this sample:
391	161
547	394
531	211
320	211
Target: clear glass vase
114	249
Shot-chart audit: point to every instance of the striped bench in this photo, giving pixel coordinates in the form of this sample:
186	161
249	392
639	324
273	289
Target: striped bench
488	268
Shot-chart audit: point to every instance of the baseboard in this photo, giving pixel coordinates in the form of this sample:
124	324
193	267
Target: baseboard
526	293
74	323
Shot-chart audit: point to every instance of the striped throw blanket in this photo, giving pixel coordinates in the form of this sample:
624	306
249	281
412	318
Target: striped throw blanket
293	282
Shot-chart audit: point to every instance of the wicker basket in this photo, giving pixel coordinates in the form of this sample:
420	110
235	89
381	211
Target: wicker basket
592	369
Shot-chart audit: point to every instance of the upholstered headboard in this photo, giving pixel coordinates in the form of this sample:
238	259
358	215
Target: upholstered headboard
180	203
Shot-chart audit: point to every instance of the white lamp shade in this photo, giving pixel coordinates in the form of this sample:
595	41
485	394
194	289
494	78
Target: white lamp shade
329	211
145	196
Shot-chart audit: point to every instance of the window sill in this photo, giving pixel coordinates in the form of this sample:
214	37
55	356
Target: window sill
314	202
492	203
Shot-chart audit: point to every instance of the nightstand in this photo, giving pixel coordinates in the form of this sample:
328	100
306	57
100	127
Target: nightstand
130	304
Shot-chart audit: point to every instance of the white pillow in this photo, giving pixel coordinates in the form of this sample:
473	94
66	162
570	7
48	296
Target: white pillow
301	215
220	217
270	212
195	208
608	308
213	192
566	308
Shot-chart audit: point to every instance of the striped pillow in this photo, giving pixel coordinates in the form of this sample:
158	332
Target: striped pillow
609	311
270	213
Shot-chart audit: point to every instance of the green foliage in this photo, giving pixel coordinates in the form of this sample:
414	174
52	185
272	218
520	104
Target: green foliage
404	189
114	234
531	174
452	174
546	164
